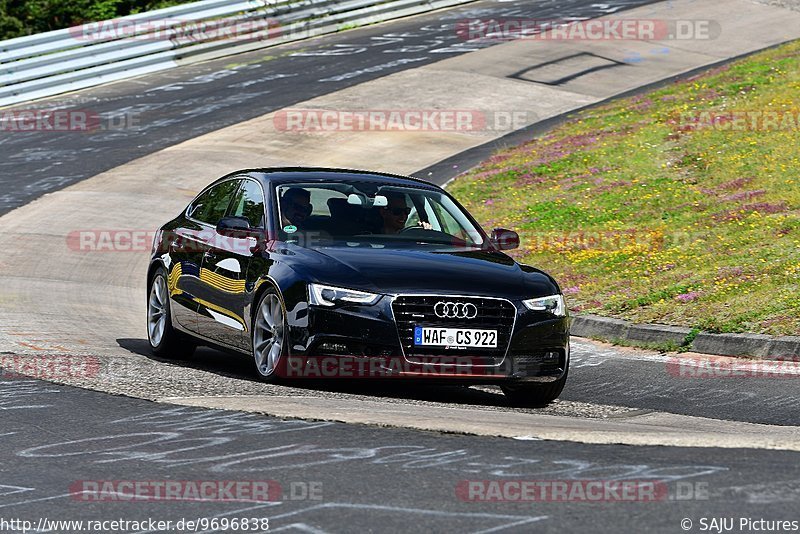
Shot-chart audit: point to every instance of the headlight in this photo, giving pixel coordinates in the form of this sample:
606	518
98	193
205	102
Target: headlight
320	295
553	304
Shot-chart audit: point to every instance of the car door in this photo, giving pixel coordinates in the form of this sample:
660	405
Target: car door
209	208
224	269
188	241
184	271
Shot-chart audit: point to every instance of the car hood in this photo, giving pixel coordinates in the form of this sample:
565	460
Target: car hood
393	271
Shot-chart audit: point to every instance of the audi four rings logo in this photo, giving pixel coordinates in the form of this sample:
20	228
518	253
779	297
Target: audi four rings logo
455	310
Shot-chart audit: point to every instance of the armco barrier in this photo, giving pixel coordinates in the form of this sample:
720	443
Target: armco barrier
55	62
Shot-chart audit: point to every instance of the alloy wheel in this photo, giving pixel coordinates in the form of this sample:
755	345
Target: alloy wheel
157	311
268	335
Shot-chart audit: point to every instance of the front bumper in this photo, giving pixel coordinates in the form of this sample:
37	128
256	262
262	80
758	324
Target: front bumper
353	341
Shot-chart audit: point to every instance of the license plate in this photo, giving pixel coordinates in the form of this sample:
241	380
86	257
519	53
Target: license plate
428	336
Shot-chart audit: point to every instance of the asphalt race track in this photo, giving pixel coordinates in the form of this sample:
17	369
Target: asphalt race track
361	478
153	112
141	418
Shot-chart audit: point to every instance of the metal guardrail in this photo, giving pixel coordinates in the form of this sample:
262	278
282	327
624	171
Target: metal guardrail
65	60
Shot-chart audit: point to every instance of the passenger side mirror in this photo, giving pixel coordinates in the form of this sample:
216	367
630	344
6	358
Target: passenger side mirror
505	239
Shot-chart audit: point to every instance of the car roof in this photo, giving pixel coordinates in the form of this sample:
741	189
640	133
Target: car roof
320	174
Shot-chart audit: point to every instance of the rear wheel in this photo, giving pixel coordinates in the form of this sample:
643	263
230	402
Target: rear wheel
535	395
165	341
269	336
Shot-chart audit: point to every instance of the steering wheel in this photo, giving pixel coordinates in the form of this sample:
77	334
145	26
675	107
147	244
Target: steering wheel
419	226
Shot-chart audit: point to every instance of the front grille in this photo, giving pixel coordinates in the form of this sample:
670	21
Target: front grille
411	311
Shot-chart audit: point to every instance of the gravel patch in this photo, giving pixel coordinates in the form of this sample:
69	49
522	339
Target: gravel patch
212	373
788	4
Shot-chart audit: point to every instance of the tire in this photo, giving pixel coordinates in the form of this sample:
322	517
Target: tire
270	336
165	341
535	395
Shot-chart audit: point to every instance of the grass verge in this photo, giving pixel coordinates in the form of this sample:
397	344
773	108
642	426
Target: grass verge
677	206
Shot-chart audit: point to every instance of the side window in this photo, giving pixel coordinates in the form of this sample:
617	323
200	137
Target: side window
449	224
414	219
249	203
211	206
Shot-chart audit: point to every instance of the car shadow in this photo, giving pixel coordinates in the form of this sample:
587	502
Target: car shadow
240	367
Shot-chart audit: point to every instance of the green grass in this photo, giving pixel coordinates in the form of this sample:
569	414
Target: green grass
643	217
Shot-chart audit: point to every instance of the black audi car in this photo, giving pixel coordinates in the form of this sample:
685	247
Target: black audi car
331	273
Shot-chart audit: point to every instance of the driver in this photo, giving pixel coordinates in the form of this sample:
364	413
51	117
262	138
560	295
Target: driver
395	213
295	206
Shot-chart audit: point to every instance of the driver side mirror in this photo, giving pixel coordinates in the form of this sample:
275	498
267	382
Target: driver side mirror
504	239
238	227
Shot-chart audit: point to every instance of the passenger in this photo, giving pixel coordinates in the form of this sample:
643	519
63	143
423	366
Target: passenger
295	207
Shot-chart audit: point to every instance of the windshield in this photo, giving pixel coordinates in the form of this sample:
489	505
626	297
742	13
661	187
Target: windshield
372	215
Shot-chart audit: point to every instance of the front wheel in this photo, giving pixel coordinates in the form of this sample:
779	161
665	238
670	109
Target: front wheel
269	336
535	395
165	341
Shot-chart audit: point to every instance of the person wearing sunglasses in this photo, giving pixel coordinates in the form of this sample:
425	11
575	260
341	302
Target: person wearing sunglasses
395	213
295	207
